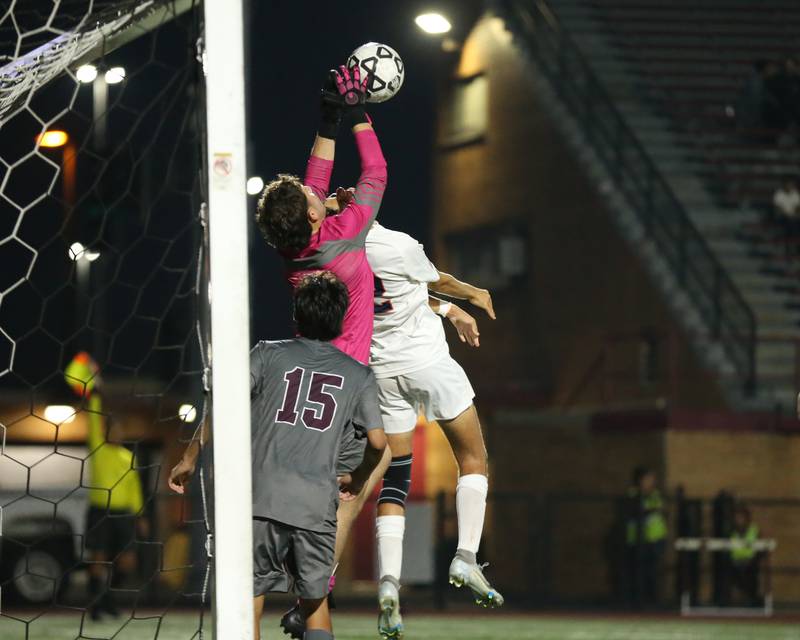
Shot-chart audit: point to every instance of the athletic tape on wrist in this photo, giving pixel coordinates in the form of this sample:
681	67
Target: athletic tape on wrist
444	308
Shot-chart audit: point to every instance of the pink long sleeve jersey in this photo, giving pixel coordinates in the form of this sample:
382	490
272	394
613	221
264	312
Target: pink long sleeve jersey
338	245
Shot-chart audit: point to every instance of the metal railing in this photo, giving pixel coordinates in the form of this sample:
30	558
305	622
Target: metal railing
791	344
727	315
572	548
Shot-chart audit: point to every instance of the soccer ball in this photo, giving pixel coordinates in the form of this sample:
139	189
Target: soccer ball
385	67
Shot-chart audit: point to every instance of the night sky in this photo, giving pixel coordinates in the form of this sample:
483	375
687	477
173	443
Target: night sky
292	45
137	196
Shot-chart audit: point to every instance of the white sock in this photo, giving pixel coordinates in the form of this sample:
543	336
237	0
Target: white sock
389	531
471	508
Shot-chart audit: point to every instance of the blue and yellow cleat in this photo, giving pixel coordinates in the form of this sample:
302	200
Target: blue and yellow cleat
390	622
463	573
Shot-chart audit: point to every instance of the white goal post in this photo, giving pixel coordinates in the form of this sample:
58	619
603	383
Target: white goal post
225	109
57	42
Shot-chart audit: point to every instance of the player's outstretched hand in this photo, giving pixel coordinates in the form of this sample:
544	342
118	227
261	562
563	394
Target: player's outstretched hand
181	474
483	300
336	202
349	487
351	86
344	196
331	106
465	325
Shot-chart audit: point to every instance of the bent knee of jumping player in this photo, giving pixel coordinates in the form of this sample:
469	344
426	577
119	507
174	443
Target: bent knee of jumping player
466	439
473	462
397	477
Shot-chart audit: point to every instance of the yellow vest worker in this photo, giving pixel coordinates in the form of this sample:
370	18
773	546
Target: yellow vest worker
113	479
745	553
654	527
115	495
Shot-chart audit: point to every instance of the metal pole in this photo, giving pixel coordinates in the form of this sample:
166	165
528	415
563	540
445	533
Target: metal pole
82	267
99	111
225	107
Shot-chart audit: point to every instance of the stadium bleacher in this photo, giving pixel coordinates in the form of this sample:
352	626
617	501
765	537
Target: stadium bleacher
676	70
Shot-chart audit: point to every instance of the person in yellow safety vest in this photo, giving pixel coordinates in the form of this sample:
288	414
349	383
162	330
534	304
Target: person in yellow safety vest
744	559
646	534
114	491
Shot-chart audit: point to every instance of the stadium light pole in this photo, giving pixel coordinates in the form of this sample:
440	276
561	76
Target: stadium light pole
88	73
57	139
83	258
433	23
230	319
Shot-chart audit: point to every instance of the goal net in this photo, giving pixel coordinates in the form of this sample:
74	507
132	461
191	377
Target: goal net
104	331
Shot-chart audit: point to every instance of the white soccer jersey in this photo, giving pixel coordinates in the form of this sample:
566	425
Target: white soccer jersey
407	334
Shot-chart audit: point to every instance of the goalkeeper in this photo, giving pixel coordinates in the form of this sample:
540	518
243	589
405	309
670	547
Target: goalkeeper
293	218
115	495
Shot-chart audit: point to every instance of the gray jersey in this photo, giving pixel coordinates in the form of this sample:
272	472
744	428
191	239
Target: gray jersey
304	394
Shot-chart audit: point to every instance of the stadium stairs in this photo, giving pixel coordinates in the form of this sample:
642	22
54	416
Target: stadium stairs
673	69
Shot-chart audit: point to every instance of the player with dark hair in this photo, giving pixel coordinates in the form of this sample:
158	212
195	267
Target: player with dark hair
293	218
416	374
305	394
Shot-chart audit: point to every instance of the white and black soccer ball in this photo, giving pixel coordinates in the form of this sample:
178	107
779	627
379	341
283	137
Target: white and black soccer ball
385	67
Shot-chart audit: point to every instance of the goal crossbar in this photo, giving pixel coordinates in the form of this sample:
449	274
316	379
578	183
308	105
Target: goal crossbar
94	37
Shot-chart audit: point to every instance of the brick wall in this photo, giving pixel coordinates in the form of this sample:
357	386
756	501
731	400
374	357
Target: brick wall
582	283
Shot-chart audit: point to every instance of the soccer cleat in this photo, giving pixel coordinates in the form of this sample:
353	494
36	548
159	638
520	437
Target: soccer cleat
293	624
463	573
390	622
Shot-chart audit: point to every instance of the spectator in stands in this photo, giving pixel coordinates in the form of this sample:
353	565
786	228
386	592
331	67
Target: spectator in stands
792	94
646	537
775	114
744	561
749	107
786	209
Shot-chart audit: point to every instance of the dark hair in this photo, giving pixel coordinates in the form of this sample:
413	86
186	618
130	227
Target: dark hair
320	302
640	472
282	214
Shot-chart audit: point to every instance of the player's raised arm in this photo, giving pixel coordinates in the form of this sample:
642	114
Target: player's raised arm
451	286
359	214
320	163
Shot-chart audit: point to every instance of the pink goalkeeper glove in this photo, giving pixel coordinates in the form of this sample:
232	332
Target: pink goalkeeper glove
353	91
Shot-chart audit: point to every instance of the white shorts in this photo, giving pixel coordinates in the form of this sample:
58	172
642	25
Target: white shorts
440	391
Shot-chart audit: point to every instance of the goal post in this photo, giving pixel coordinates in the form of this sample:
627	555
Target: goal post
225	109
124	260
112	29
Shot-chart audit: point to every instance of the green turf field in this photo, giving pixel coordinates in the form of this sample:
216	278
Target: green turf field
423	627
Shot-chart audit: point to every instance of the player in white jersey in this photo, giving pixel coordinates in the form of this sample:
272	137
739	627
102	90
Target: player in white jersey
415	373
411	361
